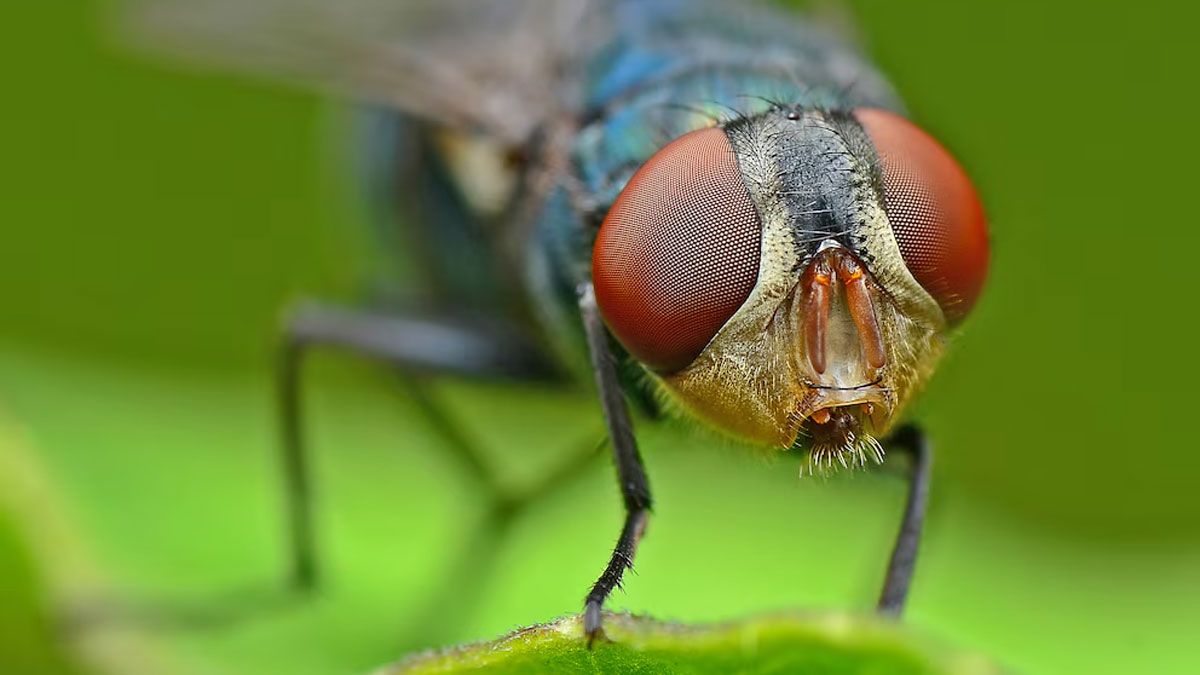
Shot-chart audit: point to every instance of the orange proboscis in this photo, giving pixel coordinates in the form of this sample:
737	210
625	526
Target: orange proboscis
862	310
815	288
815	285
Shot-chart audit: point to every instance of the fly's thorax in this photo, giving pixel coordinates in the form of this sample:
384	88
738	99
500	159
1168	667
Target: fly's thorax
814	179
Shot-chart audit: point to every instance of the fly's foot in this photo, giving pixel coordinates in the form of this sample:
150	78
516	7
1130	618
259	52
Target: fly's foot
593	622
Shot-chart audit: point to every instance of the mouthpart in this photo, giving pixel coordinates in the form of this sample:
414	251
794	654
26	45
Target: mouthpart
842	434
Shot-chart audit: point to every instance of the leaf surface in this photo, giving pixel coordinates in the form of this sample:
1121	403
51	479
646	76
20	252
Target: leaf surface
776	643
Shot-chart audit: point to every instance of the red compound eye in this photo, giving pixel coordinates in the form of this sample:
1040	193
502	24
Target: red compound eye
934	212
678	252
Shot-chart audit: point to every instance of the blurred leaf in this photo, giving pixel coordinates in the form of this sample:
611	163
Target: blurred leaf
27	635
782	643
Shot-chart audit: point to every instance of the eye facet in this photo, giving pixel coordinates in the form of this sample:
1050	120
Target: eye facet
678	252
934	212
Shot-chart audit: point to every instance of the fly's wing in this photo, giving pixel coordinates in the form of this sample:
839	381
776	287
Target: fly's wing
500	67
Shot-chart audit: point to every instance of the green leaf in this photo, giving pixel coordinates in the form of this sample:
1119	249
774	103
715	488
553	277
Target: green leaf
778	643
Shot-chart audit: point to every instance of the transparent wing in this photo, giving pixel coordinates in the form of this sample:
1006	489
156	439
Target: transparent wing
497	66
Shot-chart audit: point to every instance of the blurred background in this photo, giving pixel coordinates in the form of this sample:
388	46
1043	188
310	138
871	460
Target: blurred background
155	222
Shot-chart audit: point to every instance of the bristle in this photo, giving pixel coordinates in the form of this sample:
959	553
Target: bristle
823	459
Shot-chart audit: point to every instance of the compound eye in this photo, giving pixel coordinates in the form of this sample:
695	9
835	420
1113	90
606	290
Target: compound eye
935	214
678	252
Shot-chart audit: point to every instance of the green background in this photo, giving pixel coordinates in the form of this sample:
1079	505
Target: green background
154	223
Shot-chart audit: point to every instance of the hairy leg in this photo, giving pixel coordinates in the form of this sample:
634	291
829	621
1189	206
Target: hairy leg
631	475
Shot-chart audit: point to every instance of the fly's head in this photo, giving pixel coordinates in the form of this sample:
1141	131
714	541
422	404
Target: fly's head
790	277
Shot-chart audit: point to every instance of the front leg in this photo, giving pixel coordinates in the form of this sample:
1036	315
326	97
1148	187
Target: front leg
913	442
635	488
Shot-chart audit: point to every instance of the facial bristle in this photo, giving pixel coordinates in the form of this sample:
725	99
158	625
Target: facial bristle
825	459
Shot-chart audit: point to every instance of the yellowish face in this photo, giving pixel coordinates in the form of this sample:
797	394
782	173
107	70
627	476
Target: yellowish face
764	378
869	244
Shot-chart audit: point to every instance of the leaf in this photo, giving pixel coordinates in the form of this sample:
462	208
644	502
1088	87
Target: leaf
775	643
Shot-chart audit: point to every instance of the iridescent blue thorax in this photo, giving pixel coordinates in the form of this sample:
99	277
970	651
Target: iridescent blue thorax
675	66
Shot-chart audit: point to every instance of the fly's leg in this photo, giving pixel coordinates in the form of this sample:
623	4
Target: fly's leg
415	345
912	441
635	488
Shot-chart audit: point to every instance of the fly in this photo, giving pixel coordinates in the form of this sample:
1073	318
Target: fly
714	209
